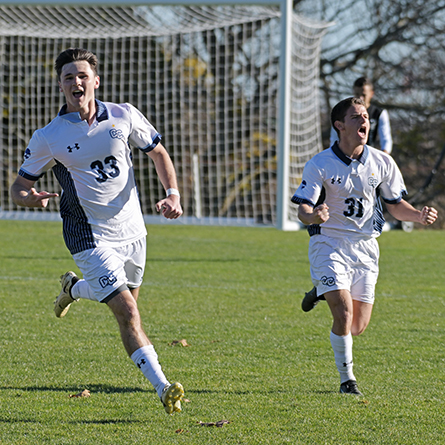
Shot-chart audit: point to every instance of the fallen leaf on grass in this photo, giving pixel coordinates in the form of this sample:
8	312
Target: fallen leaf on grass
218	424
182	342
183	400
181	431
84	393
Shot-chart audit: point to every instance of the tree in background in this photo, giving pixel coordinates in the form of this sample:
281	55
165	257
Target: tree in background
400	45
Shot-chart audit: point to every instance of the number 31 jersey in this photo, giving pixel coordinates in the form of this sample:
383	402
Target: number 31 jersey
99	203
351	189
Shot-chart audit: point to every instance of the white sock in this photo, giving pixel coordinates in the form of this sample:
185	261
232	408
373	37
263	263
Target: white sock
342	347
82	290
146	360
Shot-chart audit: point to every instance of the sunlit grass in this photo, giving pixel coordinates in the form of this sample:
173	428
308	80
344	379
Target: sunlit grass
255	359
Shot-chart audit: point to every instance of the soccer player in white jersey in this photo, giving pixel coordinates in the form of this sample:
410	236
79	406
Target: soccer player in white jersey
339	201
88	148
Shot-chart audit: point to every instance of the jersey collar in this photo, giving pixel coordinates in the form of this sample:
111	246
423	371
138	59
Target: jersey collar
346	159
101	113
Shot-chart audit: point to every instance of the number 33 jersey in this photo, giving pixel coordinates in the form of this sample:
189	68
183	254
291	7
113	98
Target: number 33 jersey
351	189
93	164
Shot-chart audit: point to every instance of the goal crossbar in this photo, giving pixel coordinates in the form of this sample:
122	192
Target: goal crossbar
143	2
282	219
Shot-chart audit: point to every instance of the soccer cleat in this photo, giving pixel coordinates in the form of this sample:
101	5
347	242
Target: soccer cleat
171	397
64	300
350	387
311	300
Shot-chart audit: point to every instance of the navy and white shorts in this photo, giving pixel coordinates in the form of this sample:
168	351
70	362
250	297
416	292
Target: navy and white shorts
345	264
110	270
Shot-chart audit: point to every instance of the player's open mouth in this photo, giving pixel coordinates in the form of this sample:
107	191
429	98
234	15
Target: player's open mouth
362	131
77	93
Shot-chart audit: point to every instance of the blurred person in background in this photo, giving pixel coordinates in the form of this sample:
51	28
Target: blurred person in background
380	128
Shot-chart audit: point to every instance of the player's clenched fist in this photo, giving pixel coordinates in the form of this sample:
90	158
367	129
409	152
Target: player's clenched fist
428	215
321	213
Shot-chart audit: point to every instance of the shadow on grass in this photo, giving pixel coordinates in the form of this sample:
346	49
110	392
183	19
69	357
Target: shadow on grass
79	422
109	389
92	387
22	257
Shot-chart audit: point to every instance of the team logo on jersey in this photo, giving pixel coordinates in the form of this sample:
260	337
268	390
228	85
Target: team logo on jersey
336	180
70	149
107	280
372	181
327	281
27	154
117	134
303	184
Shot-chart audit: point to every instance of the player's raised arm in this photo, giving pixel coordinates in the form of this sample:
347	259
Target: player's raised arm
171	205
24	194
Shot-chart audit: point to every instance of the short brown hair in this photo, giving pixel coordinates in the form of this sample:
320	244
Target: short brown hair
338	113
362	81
73	55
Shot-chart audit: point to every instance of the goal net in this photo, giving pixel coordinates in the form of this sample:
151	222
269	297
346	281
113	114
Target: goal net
206	77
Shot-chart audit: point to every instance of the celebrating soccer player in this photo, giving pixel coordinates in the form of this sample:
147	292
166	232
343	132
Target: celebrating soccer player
87	145
339	201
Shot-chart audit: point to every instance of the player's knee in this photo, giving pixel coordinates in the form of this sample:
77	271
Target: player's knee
343	318
358	329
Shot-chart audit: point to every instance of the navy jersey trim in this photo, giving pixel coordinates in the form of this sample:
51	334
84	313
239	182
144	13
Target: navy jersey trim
314	229
340	155
397	200
379	219
296	200
77	232
346	159
156	141
26	175
101	111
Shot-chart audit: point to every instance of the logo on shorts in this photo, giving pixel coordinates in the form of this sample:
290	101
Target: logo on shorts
107	281
327	281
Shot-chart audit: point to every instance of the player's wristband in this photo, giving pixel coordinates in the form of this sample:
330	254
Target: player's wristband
173	192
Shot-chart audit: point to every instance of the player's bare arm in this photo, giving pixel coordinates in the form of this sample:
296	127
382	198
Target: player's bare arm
171	205
24	194
404	211
313	215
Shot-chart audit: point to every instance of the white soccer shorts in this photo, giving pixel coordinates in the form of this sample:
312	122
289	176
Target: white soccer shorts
345	264
109	270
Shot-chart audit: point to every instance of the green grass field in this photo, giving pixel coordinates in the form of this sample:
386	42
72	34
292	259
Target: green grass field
255	359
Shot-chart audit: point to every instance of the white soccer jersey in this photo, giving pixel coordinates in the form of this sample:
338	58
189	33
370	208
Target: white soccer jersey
351	189
99	203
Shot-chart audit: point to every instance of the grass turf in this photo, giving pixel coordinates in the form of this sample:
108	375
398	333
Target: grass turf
254	358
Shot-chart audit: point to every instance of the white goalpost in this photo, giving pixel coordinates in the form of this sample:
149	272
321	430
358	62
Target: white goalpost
231	86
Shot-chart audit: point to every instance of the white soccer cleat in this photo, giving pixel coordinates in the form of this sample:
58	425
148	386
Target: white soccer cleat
171	398
64	300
